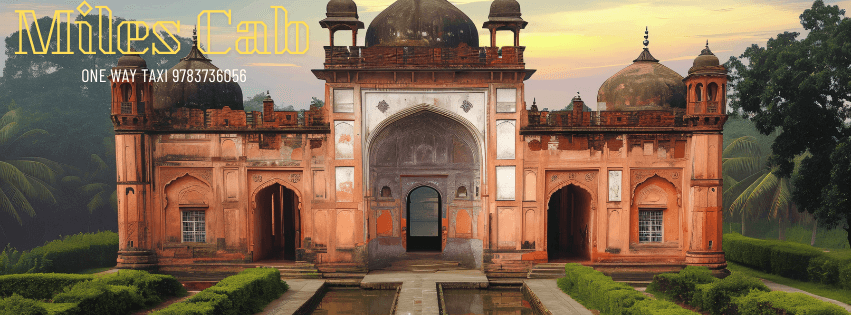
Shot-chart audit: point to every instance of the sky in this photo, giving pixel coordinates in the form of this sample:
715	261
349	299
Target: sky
574	45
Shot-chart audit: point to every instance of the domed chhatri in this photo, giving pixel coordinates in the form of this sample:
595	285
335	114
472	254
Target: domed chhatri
505	10
342	9
422	23
131	61
644	85
199	95
706	61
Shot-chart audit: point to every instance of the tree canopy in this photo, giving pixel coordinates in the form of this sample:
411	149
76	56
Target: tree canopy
802	87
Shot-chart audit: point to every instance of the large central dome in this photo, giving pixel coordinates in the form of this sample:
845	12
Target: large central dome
422	23
644	85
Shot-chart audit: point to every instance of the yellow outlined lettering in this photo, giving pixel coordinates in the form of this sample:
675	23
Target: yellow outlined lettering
210	30
162	24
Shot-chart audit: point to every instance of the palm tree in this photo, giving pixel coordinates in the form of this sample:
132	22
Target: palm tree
753	186
87	186
22	180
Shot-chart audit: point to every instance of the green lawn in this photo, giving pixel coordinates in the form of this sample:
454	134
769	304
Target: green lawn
819	289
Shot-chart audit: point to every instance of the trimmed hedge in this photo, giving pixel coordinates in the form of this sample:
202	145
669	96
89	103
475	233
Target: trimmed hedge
39	286
245	293
595	290
152	287
777	257
736	294
715	297
681	286
114	293
71	254
19	305
760	303
96	298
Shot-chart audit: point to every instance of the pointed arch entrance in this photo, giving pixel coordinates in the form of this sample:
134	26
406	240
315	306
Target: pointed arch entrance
569	223
277	223
419	160
424	220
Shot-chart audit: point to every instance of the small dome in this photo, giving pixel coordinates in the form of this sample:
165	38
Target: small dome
504	9
131	61
199	95
644	85
706	59
341	8
422	23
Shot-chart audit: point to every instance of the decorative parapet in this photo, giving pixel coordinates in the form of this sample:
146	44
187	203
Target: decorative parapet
186	120
463	57
542	122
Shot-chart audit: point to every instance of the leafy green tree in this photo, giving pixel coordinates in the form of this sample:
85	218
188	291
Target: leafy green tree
803	88
22	179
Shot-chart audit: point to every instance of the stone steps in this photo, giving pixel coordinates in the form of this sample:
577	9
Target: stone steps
547	271
344	275
424	265
297	270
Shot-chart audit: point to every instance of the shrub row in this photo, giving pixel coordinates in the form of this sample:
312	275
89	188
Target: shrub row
116	293
777	257
245	293
777	302
38	286
73	253
787	258
735	294
597	291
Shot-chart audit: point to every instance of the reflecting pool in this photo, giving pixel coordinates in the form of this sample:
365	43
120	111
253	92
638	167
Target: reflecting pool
486	302
356	301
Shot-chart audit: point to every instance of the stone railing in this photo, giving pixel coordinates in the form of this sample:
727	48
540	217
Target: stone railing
463	56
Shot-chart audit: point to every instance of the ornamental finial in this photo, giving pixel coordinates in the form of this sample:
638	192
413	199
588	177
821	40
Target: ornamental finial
646	36
195	35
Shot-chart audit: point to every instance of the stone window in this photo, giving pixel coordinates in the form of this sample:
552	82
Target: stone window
506	100
461	193
344	101
126	108
650	226
711	90
698	93
194	226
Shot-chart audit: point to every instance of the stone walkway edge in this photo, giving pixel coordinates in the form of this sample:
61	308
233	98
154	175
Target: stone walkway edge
417	293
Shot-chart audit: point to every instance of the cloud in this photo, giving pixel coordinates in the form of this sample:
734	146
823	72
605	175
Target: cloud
266	64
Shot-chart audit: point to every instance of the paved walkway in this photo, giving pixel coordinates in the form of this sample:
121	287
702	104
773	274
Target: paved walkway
419	290
301	290
555	300
779	287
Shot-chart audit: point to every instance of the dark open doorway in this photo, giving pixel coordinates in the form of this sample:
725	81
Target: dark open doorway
424	220
568	218
277	223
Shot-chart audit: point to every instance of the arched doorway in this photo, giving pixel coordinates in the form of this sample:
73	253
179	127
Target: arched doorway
568	224
424	220
277	223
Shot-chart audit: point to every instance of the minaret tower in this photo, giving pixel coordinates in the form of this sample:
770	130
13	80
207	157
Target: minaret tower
131	100
706	114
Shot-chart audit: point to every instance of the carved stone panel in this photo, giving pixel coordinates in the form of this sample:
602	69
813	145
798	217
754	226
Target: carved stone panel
505	182
505	139
615	181
344	140
674	176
